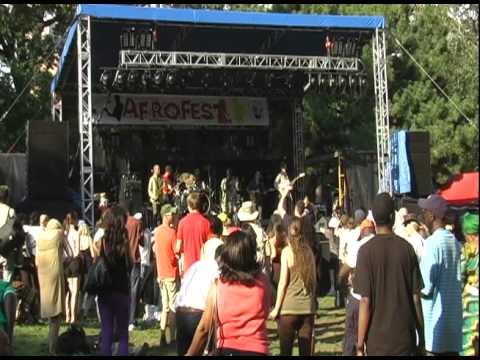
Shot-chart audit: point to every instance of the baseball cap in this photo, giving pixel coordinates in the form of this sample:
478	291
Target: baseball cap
168	209
436	204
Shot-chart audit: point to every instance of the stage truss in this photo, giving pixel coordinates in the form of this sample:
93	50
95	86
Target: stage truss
149	60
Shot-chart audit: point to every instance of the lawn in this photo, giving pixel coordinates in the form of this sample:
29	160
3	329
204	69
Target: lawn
329	330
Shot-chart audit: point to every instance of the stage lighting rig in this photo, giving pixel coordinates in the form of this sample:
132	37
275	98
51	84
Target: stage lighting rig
269	80
362	84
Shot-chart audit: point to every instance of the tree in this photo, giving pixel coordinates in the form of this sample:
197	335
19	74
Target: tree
29	39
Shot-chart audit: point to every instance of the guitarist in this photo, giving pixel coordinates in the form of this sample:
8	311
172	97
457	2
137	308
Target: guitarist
282	178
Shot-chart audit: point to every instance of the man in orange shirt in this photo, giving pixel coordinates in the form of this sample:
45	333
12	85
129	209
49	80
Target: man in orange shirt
167	269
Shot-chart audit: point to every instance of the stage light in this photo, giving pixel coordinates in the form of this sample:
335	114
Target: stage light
206	80
341	84
146	79
269	78
226	80
120	78
158	78
106	79
131	38
322	81
362	84
132	79
171	79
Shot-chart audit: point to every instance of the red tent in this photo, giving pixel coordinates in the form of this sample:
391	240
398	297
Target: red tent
462	190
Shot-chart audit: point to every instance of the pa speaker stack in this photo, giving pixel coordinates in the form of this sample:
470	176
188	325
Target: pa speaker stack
419	150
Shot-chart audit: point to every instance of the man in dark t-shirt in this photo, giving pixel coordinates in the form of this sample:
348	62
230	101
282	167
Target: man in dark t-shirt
388	279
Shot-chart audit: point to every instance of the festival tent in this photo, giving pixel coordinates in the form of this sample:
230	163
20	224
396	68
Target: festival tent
462	190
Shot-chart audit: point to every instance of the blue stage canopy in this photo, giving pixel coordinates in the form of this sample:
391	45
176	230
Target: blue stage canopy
215	17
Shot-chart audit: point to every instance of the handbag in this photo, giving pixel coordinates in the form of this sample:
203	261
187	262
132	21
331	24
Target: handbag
72	265
98	277
211	348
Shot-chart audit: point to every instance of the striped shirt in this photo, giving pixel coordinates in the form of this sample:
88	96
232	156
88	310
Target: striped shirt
442	294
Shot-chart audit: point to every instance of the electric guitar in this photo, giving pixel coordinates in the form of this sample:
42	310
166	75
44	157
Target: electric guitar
288	185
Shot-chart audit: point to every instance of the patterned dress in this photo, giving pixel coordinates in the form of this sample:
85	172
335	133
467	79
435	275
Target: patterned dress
470	300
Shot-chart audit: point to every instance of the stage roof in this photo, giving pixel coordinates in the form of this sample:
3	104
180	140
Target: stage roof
216	18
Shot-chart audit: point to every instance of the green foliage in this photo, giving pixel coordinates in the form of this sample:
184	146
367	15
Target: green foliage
26	52
442	38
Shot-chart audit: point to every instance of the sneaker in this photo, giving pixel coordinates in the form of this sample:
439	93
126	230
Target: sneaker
131	327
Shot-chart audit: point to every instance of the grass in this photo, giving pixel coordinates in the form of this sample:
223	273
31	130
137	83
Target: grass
329	331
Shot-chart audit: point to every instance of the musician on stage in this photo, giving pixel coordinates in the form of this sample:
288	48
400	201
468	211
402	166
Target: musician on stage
199	183
168	185
282	177
155	186
229	188
256	190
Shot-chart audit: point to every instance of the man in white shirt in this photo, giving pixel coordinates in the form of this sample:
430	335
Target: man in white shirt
367	231
210	246
192	298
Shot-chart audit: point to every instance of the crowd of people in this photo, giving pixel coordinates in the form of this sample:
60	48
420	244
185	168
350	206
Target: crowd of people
211	281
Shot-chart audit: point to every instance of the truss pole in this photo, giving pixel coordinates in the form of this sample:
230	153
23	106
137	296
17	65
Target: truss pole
381	111
298	148
85	119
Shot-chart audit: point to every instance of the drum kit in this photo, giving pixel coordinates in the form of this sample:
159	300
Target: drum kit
185	185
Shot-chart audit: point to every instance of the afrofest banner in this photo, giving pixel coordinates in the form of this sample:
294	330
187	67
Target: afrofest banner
144	109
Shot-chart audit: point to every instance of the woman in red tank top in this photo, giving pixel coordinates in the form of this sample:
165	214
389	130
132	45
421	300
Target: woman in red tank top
243	297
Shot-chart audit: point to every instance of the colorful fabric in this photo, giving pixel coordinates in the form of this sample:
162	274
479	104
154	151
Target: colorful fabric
470	224
5	289
470	299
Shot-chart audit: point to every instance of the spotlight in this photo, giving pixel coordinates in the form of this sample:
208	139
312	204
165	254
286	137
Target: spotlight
341	84
124	38
226	81
132	79
146	79
158	78
206	80
106	79
322	81
171	79
269	78
120	78
362	84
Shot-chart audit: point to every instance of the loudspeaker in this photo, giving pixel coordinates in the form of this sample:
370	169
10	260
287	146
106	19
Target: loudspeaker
419	152
47	157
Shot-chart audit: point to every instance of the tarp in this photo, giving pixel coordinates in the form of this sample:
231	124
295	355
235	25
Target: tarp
462	190
214	17
400	166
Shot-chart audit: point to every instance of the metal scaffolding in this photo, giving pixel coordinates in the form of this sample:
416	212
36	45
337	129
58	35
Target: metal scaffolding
130	59
85	119
138	59
298	147
381	111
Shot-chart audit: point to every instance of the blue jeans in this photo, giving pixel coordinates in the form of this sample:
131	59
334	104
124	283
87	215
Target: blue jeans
114	309
134	290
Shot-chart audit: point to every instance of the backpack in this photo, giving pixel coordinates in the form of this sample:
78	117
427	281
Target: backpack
73	341
11	235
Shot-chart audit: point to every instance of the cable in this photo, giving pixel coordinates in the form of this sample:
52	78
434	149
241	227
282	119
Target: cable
5	114
435	83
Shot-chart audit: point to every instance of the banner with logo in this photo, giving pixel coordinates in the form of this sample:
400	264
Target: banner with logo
147	109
